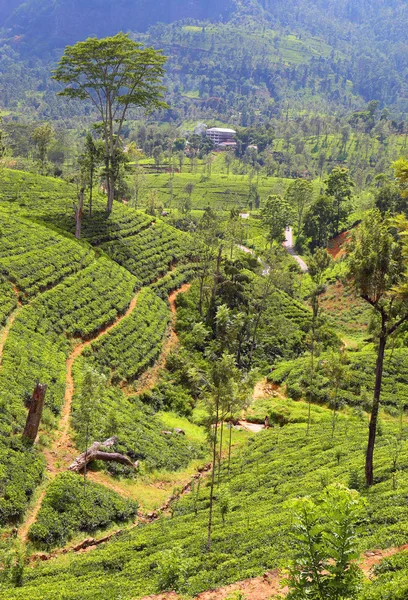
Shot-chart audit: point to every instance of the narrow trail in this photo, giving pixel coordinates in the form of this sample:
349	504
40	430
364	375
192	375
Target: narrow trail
62	451
288	244
32	516
268	586
150	377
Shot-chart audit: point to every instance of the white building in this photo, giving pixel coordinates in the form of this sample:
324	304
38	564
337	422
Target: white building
219	135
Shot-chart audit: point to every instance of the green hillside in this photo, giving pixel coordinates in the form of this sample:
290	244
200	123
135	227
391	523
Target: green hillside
203	300
253	537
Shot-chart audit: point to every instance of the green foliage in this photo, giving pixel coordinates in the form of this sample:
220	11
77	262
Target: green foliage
276	215
34	257
150	254
8	300
325	539
84	303
138	430
69	508
276	466
135	343
174	279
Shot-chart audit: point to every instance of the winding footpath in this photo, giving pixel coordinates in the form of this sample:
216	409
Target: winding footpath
149	378
288	245
61	450
10	320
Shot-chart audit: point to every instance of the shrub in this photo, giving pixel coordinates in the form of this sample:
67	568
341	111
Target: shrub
69	507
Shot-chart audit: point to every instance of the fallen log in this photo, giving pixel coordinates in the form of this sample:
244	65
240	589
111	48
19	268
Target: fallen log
95	452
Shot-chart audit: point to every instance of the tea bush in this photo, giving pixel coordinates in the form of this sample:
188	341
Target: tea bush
83	303
36	258
132	346
174	280
139	431
356	388
8	300
151	253
70	507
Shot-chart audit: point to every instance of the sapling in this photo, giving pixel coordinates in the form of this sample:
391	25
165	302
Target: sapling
324	566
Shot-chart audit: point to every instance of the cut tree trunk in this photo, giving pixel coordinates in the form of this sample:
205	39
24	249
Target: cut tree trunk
35	412
94	452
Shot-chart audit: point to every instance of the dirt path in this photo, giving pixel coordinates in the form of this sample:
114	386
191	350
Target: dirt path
268	586
150	377
32	516
62	452
288	244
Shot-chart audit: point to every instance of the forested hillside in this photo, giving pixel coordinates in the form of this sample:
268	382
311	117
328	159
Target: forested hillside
249	56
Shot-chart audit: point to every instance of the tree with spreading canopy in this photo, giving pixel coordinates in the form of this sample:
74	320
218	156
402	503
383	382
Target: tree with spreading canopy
114	74
377	272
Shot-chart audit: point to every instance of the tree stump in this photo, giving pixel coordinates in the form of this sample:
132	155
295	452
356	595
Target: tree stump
35	412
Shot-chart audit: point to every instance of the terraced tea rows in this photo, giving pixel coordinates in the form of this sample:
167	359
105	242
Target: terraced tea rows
135	343
35	258
150	254
74	292
253	535
83	303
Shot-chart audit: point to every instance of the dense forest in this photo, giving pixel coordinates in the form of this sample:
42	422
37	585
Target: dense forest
203	343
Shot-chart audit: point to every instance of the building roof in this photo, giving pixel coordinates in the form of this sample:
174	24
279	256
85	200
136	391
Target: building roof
221	130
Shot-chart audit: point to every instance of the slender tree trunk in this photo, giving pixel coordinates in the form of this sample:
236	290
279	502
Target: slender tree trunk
214	459
78	214
253	341
220	453
229	446
200	302
91	191
372	430
334	410
35	413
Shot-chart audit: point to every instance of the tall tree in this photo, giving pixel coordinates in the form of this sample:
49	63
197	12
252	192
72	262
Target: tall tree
318	222
223	378
114	74
42	138
377	272
276	215
401	175
299	196
339	186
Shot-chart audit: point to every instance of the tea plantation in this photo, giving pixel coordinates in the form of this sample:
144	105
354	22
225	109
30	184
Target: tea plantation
90	318
253	534
71	292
